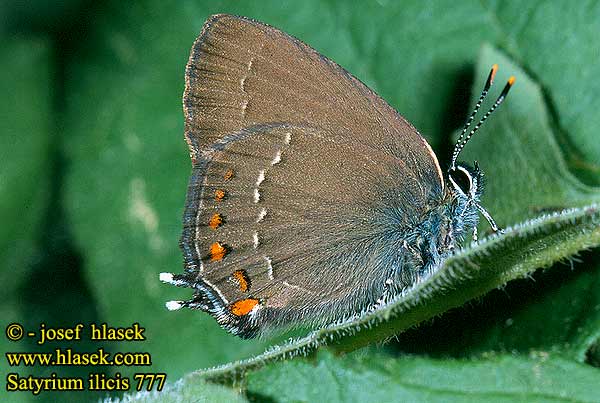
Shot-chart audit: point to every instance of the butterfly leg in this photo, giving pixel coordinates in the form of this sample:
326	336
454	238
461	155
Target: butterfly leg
489	218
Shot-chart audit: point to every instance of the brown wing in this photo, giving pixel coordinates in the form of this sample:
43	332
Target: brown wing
304	180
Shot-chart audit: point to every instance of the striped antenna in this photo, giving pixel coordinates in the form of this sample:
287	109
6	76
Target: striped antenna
462	139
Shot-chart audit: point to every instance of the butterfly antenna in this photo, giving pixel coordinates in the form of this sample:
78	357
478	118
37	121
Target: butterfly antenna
462	139
484	92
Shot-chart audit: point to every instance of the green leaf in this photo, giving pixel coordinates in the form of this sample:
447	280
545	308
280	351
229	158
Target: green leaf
27	126
183	392
556	43
26	116
557	310
372	377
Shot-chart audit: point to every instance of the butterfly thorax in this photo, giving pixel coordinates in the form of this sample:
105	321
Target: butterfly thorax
441	230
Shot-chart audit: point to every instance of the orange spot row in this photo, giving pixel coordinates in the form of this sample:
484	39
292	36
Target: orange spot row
217	250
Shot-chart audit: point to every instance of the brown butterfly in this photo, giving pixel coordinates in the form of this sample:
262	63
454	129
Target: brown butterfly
311	200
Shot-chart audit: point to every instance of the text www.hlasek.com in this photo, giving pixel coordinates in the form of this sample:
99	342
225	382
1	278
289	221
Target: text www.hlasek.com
69	357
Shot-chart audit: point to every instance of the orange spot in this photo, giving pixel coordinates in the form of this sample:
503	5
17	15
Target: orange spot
511	80
228	175
243	306
217	252
219	194
242	279
215	221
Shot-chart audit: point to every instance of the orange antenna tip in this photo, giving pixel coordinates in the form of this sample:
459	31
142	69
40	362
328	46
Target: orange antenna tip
489	80
511	80
493	72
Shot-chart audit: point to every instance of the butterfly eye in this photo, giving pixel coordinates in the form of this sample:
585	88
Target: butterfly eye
461	179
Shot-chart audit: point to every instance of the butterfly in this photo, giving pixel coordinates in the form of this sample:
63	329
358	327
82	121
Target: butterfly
311	200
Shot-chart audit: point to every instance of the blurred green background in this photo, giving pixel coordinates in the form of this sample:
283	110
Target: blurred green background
94	167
